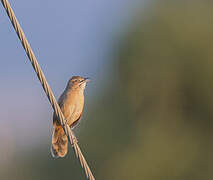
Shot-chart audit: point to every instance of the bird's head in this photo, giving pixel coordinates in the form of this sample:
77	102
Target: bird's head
77	82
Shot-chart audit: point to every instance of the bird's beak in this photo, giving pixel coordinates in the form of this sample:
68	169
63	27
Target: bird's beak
86	79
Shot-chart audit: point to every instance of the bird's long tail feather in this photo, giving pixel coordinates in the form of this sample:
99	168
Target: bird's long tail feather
59	142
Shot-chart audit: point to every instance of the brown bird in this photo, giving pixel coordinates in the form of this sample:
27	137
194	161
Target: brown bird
71	103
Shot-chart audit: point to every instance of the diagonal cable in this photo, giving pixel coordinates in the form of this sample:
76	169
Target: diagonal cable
47	89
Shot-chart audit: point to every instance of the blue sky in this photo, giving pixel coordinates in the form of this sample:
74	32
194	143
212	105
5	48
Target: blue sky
68	38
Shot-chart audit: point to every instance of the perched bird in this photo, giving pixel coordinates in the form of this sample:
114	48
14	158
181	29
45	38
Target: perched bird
71	103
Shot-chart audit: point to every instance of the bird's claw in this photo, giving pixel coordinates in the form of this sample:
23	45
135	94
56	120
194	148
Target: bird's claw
74	141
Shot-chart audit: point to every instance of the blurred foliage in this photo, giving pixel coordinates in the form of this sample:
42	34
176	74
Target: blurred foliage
154	121
165	70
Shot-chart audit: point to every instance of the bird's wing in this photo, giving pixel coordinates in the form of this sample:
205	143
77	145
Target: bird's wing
76	122
60	103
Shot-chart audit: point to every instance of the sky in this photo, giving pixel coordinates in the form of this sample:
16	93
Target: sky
68	38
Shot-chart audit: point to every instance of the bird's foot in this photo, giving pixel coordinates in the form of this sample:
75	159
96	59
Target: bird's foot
74	141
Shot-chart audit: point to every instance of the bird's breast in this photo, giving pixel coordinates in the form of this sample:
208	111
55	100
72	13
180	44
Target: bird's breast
74	106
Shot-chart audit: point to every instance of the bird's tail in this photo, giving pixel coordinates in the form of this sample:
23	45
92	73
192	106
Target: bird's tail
59	142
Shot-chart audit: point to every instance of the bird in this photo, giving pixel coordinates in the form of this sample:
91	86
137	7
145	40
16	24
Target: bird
71	103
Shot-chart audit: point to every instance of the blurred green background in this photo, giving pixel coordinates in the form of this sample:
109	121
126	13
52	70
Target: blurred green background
152	117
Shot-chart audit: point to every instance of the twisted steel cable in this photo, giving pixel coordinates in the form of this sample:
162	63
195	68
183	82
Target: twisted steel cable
47	89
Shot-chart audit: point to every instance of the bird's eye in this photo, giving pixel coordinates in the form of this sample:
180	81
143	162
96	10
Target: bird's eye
74	80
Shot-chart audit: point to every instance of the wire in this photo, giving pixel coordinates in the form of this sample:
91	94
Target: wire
47	89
